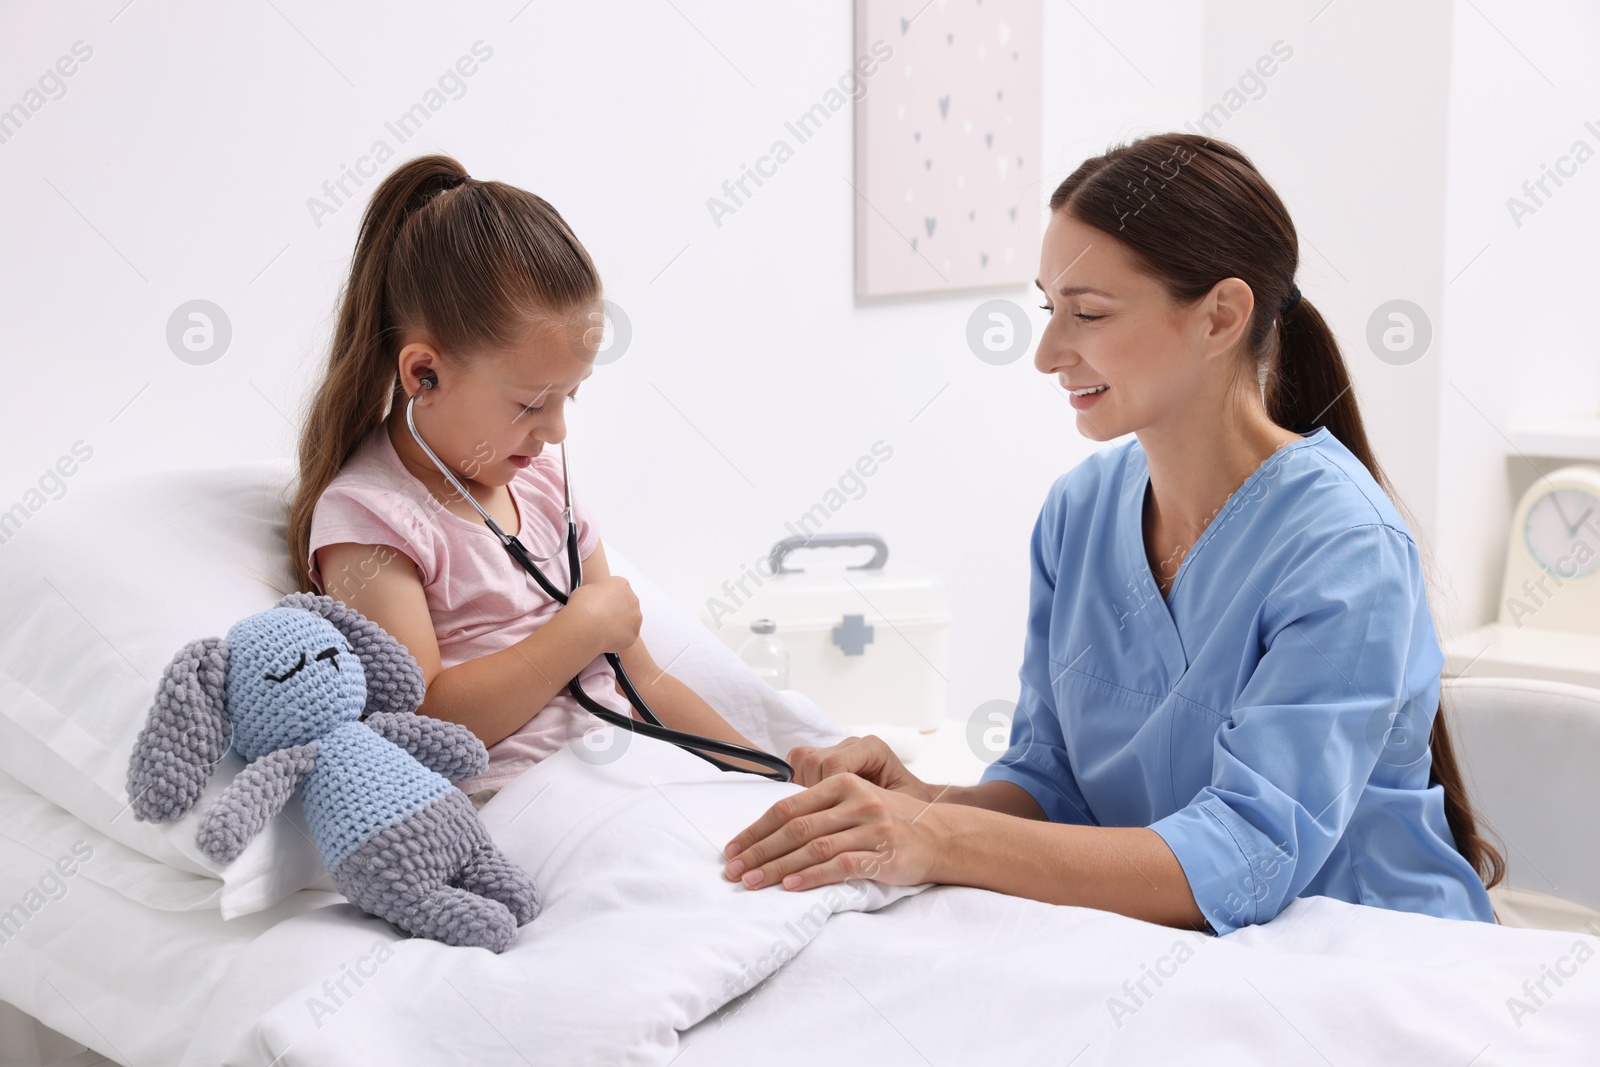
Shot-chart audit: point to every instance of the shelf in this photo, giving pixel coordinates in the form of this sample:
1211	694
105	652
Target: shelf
1565	439
1503	651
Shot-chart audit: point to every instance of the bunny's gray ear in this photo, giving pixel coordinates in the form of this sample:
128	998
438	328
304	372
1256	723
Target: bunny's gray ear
185	736
394	681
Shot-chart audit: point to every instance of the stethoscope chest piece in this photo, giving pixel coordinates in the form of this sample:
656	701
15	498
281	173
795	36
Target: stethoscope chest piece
651	726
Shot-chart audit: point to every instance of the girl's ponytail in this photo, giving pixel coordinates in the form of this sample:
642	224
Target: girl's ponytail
466	263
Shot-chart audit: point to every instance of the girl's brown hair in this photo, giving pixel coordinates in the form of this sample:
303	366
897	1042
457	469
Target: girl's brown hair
470	265
1194	211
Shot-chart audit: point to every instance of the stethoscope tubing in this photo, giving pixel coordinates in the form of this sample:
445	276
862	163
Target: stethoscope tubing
652	726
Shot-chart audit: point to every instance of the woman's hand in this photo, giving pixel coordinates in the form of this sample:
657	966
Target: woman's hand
609	610
869	757
841	828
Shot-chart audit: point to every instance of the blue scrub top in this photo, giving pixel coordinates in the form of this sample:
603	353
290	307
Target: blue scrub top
1269	718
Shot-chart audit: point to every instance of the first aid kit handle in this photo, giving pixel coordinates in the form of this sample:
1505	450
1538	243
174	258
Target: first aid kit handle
781	550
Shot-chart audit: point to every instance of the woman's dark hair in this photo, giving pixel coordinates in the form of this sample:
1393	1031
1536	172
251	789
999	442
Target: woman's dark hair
1193	211
470	265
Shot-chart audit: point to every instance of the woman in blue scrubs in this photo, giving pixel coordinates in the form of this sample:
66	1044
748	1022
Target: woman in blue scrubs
1230	681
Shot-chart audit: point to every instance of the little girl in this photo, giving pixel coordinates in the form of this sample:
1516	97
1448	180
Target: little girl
476	298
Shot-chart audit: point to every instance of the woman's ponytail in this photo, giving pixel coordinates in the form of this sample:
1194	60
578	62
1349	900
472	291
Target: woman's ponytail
1309	386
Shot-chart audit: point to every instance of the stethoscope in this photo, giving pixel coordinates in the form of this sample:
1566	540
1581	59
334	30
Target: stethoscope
652	726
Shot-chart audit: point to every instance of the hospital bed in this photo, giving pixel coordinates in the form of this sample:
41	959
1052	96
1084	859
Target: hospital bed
644	954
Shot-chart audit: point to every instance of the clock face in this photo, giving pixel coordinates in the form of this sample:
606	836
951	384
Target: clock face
1563	533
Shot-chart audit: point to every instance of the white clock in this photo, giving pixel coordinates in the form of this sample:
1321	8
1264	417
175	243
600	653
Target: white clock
1553	557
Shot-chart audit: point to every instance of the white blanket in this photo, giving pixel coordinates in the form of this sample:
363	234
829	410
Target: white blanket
965	976
641	938
640	935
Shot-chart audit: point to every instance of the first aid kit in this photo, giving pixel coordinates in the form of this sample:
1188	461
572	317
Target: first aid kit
867	642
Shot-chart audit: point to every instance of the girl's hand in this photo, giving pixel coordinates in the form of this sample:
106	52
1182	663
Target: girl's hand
844	827
870	757
609	610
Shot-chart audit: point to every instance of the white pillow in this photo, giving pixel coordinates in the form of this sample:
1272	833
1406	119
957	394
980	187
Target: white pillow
59	838
103	587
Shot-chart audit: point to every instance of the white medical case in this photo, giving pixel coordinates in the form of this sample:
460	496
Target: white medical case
868	642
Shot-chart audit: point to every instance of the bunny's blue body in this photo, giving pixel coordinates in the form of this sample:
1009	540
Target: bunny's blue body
359	784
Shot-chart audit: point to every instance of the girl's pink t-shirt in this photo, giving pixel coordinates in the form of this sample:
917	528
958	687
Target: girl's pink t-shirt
480	599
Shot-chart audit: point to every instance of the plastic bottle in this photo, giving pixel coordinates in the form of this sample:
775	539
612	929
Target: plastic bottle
766	655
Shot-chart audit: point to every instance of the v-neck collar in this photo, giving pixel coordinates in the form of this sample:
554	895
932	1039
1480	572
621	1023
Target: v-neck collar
1159	609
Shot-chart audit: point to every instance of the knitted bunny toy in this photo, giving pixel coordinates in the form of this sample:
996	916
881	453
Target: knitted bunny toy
287	689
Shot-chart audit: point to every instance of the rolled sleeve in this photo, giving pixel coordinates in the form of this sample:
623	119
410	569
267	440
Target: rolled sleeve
1350	654
1036	757
1037	761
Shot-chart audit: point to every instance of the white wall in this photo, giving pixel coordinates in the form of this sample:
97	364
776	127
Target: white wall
1519	341
1351	132
189	143
1399	135
179	162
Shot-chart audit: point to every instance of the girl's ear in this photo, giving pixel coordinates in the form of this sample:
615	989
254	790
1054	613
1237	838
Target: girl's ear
419	365
185	736
394	681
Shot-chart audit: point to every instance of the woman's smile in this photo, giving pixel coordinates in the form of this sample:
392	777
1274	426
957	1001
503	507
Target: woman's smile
1086	396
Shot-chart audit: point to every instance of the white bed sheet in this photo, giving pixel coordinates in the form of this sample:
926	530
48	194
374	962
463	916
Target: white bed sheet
949	976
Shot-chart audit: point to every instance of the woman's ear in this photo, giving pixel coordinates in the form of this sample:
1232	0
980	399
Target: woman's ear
185	736
394	680
1227	316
